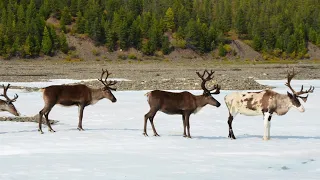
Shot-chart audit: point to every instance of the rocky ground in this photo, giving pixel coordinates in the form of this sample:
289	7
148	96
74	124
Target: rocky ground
27	119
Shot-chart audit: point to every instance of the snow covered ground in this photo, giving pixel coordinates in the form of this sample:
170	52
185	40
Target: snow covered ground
113	147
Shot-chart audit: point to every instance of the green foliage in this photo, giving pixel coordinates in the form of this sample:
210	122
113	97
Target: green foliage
275	27
165	45
132	56
169	20
66	17
63	43
222	50
46	45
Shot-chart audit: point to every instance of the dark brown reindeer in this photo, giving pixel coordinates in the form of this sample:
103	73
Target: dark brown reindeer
264	103
75	95
183	103
7	105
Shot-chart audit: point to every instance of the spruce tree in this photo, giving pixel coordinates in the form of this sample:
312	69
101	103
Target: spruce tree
64	47
169	20
165	45
46	44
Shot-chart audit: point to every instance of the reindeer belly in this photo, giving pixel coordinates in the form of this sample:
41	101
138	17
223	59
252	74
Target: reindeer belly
68	103
249	112
171	112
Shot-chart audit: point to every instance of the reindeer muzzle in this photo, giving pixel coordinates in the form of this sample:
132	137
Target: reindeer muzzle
218	104
301	109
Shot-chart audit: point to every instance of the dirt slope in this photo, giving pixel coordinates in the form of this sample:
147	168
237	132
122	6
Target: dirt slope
313	51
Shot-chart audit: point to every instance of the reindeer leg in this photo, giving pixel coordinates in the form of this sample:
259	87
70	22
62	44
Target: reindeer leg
81	108
187	121
230	119
40	121
46	115
269	125
44	111
153	128
146	117
184	126
266	122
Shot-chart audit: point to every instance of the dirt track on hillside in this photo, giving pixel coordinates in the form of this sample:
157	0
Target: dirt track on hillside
146	75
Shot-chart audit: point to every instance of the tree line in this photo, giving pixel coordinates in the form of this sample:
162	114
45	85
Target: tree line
271	26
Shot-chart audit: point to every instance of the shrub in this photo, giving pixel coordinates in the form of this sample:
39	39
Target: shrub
132	56
95	52
179	43
222	50
277	52
122	56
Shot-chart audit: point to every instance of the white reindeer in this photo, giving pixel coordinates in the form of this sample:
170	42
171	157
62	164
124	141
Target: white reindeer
264	103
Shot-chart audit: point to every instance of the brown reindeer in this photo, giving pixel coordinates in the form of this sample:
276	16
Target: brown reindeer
79	95
264	103
7	105
183	103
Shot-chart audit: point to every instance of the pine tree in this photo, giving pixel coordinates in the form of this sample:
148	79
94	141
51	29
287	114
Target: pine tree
165	48
66	16
241	22
64	47
169	20
54	38
46	44
27	48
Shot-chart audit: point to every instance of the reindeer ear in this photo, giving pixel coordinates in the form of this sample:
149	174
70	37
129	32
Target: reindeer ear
290	95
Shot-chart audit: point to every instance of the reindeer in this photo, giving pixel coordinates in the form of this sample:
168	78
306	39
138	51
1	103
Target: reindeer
183	103
79	95
264	103
7	105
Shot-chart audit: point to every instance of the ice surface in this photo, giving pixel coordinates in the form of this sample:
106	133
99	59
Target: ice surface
113	147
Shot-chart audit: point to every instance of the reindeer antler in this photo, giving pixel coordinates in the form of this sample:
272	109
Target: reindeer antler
208	78
5	89
289	78
106	83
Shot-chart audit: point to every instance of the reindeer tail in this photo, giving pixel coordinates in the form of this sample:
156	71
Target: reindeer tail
147	94
41	89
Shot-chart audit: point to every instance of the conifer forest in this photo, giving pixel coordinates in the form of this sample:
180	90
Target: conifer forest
270	26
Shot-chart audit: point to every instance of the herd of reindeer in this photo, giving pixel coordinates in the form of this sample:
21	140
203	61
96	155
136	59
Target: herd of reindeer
266	102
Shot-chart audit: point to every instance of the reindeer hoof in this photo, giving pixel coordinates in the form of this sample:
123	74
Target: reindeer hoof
80	129
266	138
51	130
40	130
156	135
145	134
184	135
231	137
189	137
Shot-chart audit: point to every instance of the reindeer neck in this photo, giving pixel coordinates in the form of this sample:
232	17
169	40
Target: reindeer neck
3	105
96	95
283	104
200	101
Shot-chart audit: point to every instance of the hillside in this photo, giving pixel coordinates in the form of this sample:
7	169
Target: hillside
215	28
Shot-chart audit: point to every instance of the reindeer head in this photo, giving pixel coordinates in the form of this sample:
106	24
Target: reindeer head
7	105
295	95
107	89
207	92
